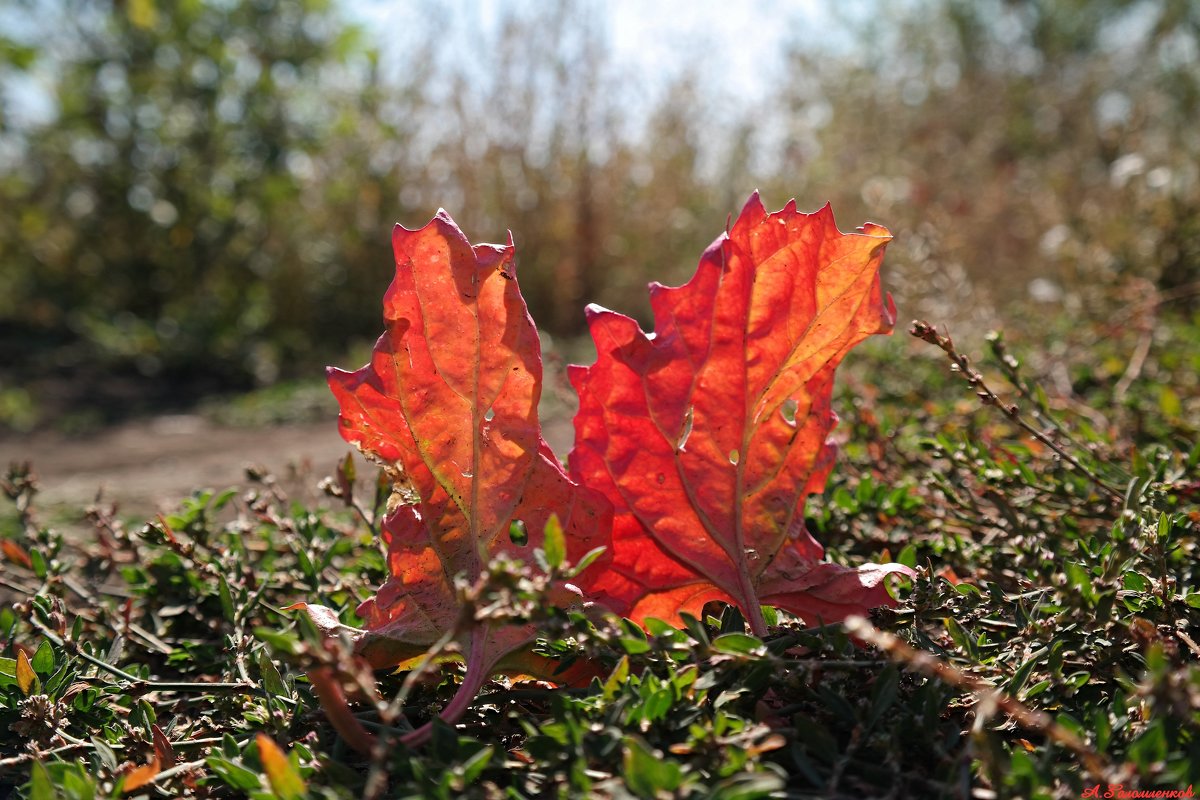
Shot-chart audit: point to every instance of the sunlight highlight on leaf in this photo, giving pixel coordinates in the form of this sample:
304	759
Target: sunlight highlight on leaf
26	677
285	781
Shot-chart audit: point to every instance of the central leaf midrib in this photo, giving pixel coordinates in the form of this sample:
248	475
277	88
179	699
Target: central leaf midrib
480	548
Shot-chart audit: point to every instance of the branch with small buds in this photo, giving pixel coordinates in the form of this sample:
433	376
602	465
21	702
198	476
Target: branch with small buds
961	364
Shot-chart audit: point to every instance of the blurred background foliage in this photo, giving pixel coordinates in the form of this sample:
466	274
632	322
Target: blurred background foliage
206	205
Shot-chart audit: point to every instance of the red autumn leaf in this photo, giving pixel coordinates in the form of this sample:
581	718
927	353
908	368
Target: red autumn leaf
708	434
449	404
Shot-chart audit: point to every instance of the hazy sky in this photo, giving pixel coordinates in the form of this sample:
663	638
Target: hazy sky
741	41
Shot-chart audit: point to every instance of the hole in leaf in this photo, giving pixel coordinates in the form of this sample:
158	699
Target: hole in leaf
734	457
788	409
490	414
518	533
687	429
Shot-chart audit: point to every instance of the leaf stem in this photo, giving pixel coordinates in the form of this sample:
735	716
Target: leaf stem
758	623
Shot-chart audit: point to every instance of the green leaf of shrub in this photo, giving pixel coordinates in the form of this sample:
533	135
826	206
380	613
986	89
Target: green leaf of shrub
738	644
646	773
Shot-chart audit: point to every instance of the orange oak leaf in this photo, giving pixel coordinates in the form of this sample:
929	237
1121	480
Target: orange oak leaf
449	404
138	777
708	434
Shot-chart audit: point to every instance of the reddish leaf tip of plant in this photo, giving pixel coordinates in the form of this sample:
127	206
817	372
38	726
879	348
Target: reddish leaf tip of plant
874	229
442	221
398	234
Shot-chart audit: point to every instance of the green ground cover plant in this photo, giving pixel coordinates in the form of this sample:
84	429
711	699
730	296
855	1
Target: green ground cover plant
1045	497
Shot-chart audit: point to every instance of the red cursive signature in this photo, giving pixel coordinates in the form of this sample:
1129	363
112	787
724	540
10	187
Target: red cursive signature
1117	791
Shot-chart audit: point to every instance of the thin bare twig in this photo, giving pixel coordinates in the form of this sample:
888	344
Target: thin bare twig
927	333
1023	715
137	684
1189	641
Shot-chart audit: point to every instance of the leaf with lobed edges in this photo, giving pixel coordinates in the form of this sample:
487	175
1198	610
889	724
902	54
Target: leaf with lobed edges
708	434
449	404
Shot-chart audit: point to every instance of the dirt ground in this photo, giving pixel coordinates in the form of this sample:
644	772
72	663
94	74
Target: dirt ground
149	465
